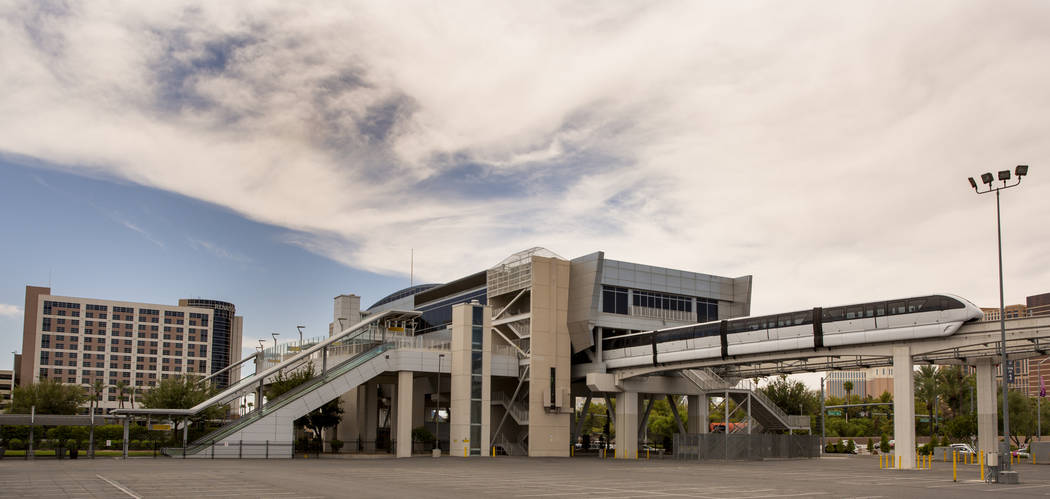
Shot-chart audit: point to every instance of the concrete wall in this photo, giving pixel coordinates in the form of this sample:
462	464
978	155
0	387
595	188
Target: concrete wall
549	428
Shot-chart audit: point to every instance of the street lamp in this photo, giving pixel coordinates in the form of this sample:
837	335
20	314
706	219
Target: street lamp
987	179
1039	402
437	416
300	328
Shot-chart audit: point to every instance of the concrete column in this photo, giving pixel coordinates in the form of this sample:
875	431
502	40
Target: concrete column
698	414
627	425
987	407
349	428
370	413
404	413
904	406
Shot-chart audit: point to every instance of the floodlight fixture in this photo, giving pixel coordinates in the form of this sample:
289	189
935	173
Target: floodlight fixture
973	183
1004	175
987	178
1021	170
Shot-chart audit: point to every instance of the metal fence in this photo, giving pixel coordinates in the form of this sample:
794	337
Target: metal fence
702	446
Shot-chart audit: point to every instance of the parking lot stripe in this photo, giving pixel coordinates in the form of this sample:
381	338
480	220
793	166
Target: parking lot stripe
119	486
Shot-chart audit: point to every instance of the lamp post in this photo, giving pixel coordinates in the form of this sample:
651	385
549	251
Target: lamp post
437	411
988	179
1039	402
300	328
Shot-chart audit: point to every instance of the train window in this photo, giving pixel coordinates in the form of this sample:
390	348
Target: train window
897	307
855	312
951	303
869	310
833	314
880	309
916	305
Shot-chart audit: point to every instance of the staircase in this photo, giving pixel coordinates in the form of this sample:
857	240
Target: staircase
517	410
763	410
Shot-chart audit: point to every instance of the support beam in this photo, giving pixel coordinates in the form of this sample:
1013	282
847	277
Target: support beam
579	421
987	407
627	425
405	386
674	410
904	406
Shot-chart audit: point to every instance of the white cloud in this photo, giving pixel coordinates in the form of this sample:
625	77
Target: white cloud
217	250
10	310
821	146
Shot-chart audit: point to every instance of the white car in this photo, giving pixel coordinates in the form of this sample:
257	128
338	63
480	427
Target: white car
962	449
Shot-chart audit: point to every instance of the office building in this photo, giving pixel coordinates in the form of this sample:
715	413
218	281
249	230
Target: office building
7	386
88	340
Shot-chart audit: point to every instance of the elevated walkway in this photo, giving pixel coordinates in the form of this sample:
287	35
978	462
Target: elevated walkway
344	361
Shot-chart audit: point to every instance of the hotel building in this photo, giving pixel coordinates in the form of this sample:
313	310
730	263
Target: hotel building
84	340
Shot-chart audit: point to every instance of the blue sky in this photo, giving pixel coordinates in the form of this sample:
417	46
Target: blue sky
275	153
109	239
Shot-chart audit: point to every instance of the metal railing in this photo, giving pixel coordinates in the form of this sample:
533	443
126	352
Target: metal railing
518	410
287	397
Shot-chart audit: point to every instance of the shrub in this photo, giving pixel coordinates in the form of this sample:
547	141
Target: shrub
16	444
72	444
851	447
336	444
422	434
871	446
136	444
884	444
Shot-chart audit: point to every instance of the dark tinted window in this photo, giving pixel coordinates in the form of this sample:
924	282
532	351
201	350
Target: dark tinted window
614	300
834	314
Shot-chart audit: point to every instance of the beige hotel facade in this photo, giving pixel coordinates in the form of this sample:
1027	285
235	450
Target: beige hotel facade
83	340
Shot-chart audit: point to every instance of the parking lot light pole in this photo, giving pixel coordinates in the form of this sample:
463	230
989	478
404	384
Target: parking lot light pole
988	179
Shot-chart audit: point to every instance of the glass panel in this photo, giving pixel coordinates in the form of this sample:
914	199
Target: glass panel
475	387
475	411
476	334
479	316
475	362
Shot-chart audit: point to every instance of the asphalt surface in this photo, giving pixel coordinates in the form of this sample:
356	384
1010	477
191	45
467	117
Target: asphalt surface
504	477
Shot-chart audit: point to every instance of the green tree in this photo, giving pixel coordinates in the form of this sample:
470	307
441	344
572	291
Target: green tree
182	392
1022	417
122	389
927	390
49	397
326	416
97	388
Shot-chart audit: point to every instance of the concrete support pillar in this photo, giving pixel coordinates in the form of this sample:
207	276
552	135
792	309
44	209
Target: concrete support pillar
698	414
370	416
904	406
627	425
404	413
349	428
987	407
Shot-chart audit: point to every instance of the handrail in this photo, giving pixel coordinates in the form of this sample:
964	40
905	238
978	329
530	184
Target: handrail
291	395
249	383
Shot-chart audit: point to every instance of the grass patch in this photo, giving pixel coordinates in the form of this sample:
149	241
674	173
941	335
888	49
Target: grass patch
83	453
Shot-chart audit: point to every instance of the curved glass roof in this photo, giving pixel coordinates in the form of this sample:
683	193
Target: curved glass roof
523	256
396	295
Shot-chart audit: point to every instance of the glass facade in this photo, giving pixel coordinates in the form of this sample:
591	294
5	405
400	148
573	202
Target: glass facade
222	331
438	315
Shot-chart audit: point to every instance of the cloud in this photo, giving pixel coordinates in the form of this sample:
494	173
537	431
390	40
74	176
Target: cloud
10	310
217	250
149	237
821	146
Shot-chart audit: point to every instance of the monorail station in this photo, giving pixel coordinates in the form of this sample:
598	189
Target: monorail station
507	352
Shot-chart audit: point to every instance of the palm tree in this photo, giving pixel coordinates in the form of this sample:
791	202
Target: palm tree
96	389
122	388
926	390
953	387
848	386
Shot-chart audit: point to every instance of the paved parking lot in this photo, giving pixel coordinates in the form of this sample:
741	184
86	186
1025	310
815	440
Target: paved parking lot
447	477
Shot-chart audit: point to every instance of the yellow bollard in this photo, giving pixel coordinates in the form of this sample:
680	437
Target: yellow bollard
918	463
466	451
647	453
880	461
955	471
900	462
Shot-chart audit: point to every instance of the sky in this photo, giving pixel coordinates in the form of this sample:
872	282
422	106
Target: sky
276	154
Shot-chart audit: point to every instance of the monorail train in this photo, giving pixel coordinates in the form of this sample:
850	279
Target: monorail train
904	319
